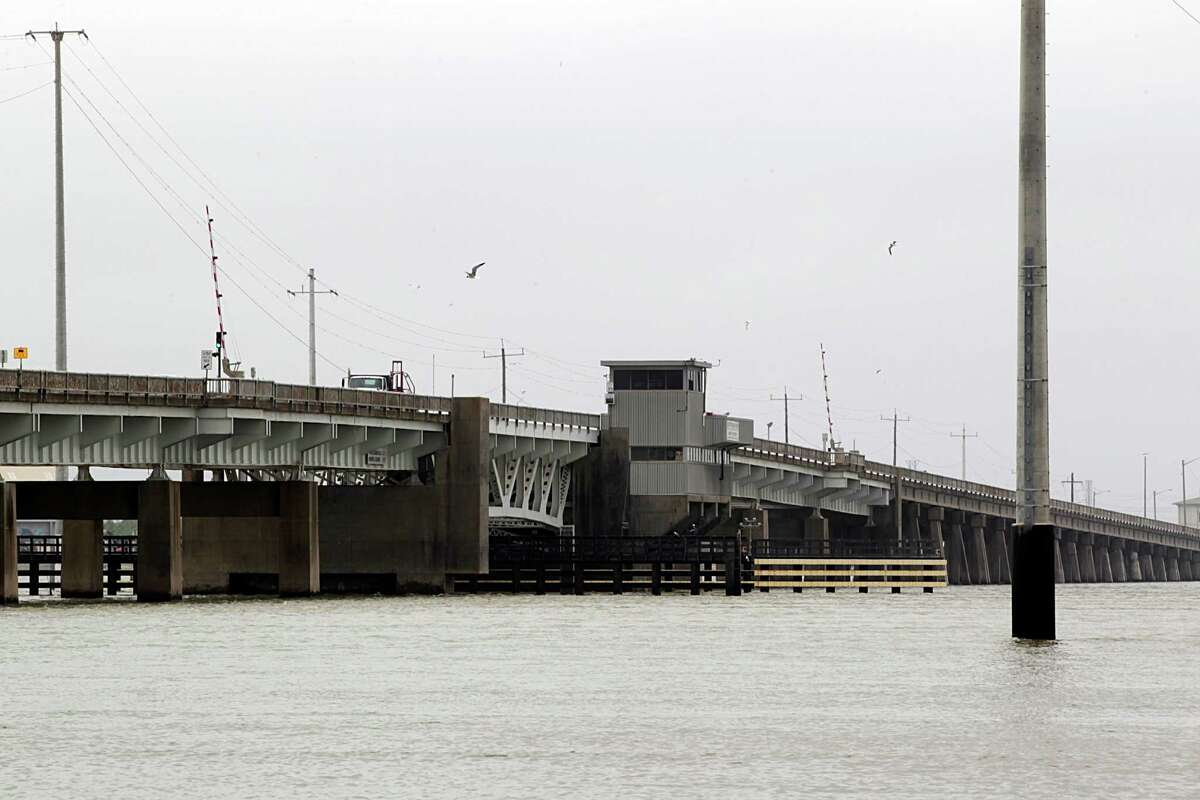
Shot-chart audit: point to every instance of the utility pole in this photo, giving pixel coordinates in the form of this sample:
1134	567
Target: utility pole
1073	484
60	225
1145	475
1033	540
503	355
1156	493
1183	465
896	470
312	293
787	436
964	436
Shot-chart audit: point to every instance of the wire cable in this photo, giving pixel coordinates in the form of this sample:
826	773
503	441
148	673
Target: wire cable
23	94
25	66
246	221
1184	10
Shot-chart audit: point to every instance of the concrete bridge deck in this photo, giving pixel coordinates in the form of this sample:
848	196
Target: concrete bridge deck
525	465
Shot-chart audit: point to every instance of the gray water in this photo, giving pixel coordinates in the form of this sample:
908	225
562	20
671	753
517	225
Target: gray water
776	695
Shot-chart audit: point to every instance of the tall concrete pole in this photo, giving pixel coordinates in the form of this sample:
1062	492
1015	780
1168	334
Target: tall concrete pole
60	225
1033	562
312	327
312	293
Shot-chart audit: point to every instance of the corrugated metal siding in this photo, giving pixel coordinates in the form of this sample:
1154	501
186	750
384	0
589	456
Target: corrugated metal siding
655	418
668	477
657	477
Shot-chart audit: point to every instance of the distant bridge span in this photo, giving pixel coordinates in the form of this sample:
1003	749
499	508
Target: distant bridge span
252	429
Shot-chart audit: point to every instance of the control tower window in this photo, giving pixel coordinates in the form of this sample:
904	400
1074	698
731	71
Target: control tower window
647	379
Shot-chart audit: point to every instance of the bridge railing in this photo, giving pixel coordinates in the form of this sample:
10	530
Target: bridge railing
819	458
81	387
545	416
147	390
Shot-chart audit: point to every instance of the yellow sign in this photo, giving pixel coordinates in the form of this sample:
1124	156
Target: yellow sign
20	353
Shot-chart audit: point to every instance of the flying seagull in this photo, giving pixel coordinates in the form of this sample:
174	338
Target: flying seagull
890	246
747	324
475	270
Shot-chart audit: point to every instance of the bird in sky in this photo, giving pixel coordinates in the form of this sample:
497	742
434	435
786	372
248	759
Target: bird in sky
890	246
475	270
747	324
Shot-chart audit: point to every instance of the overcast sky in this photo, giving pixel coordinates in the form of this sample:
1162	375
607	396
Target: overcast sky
642	179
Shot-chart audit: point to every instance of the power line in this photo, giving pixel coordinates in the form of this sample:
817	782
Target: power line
24	94
184	230
964	436
1184	10
248	223
25	66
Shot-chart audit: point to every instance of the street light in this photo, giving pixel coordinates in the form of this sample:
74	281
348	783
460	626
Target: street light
1144	487
769	424
1183	465
1156	493
1096	494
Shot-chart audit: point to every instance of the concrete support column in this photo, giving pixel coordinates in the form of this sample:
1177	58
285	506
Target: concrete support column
8	543
1118	560
936	516
1133	568
1147	563
960	570
998	562
1070	558
1173	573
816	528
1185	566
912	524
299	540
467	462
978	550
1159	558
160	556
83	558
1059	574
1086	557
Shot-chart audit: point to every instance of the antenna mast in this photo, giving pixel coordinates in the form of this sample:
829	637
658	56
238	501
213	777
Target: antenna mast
828	409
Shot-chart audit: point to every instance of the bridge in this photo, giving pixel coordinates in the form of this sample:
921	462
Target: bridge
349	487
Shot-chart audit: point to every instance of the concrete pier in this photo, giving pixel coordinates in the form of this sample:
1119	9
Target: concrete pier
979	551
83	558
1059	573
1160	564
816	527
1134	569
1147	564
1104	567
1070	559
998	548
956	554
1118	561
1085	557
8	543
1173	573
299	544
160	556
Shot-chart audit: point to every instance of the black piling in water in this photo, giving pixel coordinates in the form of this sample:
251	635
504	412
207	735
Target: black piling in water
1033	582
